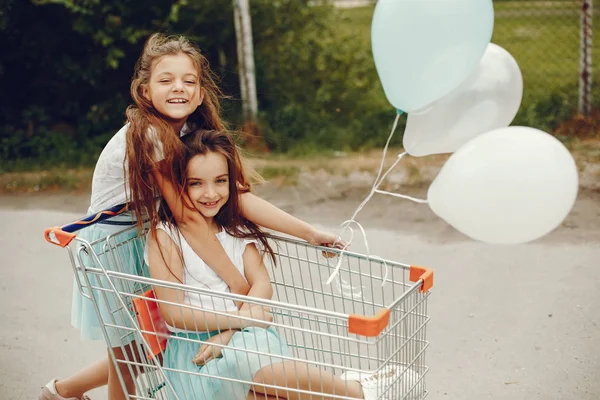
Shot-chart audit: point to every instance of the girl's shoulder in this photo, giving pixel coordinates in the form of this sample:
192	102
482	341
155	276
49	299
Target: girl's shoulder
171	231
236	244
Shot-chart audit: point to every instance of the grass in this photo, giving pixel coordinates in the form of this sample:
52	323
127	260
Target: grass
546	47
281	170
542	36
283	174
71	180
535	4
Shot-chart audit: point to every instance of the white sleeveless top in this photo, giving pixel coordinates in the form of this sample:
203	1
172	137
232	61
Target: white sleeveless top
110	181
198	274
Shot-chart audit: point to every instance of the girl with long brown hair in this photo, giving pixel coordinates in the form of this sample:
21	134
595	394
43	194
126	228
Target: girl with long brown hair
174	93
213	179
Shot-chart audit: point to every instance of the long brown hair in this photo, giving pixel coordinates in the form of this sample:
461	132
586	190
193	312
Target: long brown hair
143	118
229	217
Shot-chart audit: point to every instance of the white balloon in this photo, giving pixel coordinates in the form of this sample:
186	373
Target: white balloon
510	185
488	99
423	49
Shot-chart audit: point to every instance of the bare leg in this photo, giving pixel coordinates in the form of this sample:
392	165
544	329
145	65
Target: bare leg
94	376
297	375
261	396
91	377
129	353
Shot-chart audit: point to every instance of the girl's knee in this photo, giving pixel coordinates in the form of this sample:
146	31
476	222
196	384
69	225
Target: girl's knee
259	376
277	374
123	356
262	377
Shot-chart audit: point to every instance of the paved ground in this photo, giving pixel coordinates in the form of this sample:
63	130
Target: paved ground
518	322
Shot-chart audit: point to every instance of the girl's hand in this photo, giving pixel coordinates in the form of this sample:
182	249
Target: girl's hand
326	239
320	238
261	317
208	352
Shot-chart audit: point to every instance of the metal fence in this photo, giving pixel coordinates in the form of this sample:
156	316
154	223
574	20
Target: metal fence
552	43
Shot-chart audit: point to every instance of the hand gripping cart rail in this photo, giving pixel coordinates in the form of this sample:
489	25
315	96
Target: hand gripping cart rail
371	318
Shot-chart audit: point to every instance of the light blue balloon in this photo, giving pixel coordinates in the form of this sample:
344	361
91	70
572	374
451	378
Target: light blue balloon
423	49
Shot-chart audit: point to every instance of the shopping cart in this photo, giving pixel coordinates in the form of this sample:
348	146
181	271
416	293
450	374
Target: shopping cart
373	315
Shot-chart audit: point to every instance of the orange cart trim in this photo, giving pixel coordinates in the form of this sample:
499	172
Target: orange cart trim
369	326
424	273
58	237
149	319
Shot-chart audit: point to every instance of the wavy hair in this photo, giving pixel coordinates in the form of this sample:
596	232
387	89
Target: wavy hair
229	217
144	119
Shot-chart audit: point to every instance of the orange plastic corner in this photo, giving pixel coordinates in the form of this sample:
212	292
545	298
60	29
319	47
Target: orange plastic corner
149	319
424	273
369	326
58	237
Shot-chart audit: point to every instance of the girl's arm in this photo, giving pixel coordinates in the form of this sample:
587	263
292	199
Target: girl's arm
260	286
168	267
265	214
200	237
257	275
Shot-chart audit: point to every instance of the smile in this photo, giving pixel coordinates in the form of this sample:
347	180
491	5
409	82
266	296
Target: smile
210	205
177	101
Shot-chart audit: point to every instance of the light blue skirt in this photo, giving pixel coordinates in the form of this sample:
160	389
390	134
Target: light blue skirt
236	363
126	257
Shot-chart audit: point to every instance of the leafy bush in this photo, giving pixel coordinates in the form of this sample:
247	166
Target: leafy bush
65	78
550	112
319	88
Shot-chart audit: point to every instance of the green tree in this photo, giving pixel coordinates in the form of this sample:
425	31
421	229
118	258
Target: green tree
67	66
317	86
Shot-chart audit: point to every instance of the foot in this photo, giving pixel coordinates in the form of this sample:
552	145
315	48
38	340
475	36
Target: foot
376	384
49	392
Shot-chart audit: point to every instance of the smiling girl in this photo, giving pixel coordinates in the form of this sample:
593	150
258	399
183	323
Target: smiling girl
213	179
174	92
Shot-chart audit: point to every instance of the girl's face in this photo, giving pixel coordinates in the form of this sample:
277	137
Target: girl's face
174	88
208	182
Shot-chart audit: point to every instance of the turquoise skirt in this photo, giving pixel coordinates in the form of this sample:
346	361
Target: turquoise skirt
126	257
235	363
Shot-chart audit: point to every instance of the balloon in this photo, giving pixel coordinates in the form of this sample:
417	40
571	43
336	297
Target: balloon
423	49
488	99
510	185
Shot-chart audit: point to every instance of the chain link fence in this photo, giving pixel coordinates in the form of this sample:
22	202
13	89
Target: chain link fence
551	46
552	41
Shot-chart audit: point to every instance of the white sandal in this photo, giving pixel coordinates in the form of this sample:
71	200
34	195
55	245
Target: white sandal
49	392
380	381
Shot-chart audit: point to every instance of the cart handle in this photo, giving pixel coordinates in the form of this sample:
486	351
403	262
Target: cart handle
62	235
422	273
372	326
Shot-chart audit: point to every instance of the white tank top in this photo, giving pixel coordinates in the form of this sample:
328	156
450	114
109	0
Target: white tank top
198	274
110	180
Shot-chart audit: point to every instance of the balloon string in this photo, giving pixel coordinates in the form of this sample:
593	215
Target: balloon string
377	181
346	224
403	196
